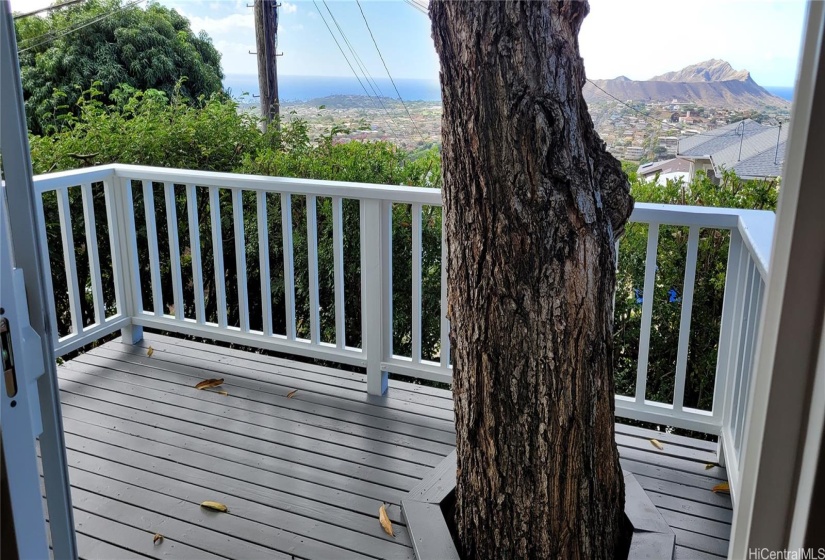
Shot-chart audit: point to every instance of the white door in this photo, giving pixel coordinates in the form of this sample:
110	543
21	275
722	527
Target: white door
29	393
20	414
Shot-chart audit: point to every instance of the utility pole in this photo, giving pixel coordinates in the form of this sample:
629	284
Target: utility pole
266	37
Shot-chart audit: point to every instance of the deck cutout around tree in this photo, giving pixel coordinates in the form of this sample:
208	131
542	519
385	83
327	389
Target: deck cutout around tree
425	510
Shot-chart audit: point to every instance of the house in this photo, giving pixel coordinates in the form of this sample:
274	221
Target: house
733	144
673	169
634	153
670	143
304	455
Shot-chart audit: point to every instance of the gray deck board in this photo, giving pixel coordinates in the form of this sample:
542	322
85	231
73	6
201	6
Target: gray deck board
666	438
244	422
326	394
232	462
420	403
302	476
404	390
145	371
177	479
94	549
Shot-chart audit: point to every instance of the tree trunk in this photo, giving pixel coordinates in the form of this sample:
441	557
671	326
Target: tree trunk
534	205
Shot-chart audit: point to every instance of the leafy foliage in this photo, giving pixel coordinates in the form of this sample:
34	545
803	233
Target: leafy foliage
65	52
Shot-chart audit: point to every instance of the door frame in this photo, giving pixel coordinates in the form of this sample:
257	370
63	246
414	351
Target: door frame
26	247
782	459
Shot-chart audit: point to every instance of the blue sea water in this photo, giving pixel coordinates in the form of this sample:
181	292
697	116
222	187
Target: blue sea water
781	91
303	88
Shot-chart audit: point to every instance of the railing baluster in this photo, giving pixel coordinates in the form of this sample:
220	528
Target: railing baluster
730	322
174	249
416	282
240	258
217	254
647	311
48	284
684	324
742	346
152	242
312	258
263	257
289	264
755	288
114	243
444	351
338	270
69	259
195	252
91	249
386	215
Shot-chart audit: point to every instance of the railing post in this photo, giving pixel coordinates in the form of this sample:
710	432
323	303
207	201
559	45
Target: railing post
728	336
125	258
376	289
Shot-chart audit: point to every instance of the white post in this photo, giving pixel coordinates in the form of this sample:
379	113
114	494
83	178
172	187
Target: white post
375	236
122	221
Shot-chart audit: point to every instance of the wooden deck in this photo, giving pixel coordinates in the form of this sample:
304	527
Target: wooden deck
303	473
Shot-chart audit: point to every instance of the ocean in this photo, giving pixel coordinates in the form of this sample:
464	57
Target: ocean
304	88
781	91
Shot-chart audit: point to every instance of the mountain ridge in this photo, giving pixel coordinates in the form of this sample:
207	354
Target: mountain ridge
710	83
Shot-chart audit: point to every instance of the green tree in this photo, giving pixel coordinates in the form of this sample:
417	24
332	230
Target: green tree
110	42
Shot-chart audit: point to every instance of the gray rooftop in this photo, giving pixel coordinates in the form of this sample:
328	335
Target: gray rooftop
712	141
673	165
747	147
765	164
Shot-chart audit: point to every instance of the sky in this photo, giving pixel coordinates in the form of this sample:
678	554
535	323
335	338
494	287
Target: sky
635	38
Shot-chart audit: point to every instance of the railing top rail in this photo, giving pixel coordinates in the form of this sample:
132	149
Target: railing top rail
755	226
73	177
317	187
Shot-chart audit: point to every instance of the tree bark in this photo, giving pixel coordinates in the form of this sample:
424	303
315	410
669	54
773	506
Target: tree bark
534	205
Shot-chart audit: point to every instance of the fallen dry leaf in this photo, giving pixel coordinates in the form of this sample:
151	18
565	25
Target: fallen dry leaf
723	488
224	393
657	444
157	538
217	506
209	383
709	466
384	519
150	351
291	393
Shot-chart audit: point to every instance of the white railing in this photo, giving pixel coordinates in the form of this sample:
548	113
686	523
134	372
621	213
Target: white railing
750	239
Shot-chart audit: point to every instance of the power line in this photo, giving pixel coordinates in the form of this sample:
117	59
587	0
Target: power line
357	77
48	9
415	126
367	76
417	7
631	107
70	30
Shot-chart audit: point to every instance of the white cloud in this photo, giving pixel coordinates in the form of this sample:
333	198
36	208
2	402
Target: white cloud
288	8
216	26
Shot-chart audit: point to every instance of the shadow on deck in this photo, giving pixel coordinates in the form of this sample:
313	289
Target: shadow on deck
300	454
